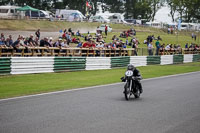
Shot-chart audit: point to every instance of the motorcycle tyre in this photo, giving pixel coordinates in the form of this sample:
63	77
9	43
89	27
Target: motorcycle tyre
127	92
137	93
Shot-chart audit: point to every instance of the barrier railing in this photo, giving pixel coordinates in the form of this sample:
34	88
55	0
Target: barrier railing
103	52
179	51
55	51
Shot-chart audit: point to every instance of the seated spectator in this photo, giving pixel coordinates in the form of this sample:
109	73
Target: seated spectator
93	44
64	36
186	45
22	39
30	41
51	43
126	41
75	40
16	45
123	34
113	46
24	42
159	38
79	44
100	39
167	47
2	42
114	37
68	38
78	33
87	44
64	44
9	41
70	31
100	46
124	46
119	45
44	42
2	37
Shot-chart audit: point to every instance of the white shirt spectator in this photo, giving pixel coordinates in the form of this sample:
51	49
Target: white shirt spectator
150	46
167	47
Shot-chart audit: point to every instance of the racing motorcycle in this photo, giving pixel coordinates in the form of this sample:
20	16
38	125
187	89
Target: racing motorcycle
130	87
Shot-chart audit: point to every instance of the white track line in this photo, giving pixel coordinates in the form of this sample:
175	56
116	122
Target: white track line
86	88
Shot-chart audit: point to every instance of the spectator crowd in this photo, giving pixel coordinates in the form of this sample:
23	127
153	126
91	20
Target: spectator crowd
87	41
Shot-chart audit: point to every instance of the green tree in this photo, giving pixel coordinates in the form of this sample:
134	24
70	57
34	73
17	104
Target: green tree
76	5
172	7
115	6
4	2
189	10
155	6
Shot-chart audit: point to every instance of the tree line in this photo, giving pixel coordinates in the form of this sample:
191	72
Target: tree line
188	10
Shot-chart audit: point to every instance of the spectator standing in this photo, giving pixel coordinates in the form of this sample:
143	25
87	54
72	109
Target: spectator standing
157	46
106	30
168	30
171	30
135	49
192	35
37	33
150	48
195	37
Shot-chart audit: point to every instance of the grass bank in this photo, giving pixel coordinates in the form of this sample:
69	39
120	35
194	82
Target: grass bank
29	25
18	85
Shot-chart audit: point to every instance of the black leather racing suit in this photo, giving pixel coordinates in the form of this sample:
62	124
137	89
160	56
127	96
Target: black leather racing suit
136	73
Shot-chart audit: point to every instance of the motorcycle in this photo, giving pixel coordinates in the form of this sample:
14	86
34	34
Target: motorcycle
130	87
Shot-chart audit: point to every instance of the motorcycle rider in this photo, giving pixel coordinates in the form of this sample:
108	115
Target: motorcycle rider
136	74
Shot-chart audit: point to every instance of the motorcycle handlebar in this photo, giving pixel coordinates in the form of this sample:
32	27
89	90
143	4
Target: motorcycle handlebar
137	78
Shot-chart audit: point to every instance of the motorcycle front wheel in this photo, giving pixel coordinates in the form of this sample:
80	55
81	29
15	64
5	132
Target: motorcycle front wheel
127	91
137	93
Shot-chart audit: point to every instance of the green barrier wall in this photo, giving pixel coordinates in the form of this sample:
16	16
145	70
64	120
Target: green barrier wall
153	60
10	65
196	58
177	59
119	61
69	63
5	66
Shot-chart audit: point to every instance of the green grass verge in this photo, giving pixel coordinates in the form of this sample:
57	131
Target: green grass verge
18	85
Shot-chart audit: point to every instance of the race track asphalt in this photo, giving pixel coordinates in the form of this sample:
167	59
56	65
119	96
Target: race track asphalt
168	105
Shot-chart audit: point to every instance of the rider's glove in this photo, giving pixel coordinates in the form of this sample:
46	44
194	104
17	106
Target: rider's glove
123	79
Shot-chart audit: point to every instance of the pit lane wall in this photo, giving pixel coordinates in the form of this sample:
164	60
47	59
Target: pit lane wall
28	65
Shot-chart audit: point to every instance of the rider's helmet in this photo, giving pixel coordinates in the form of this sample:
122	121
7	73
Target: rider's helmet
130	67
